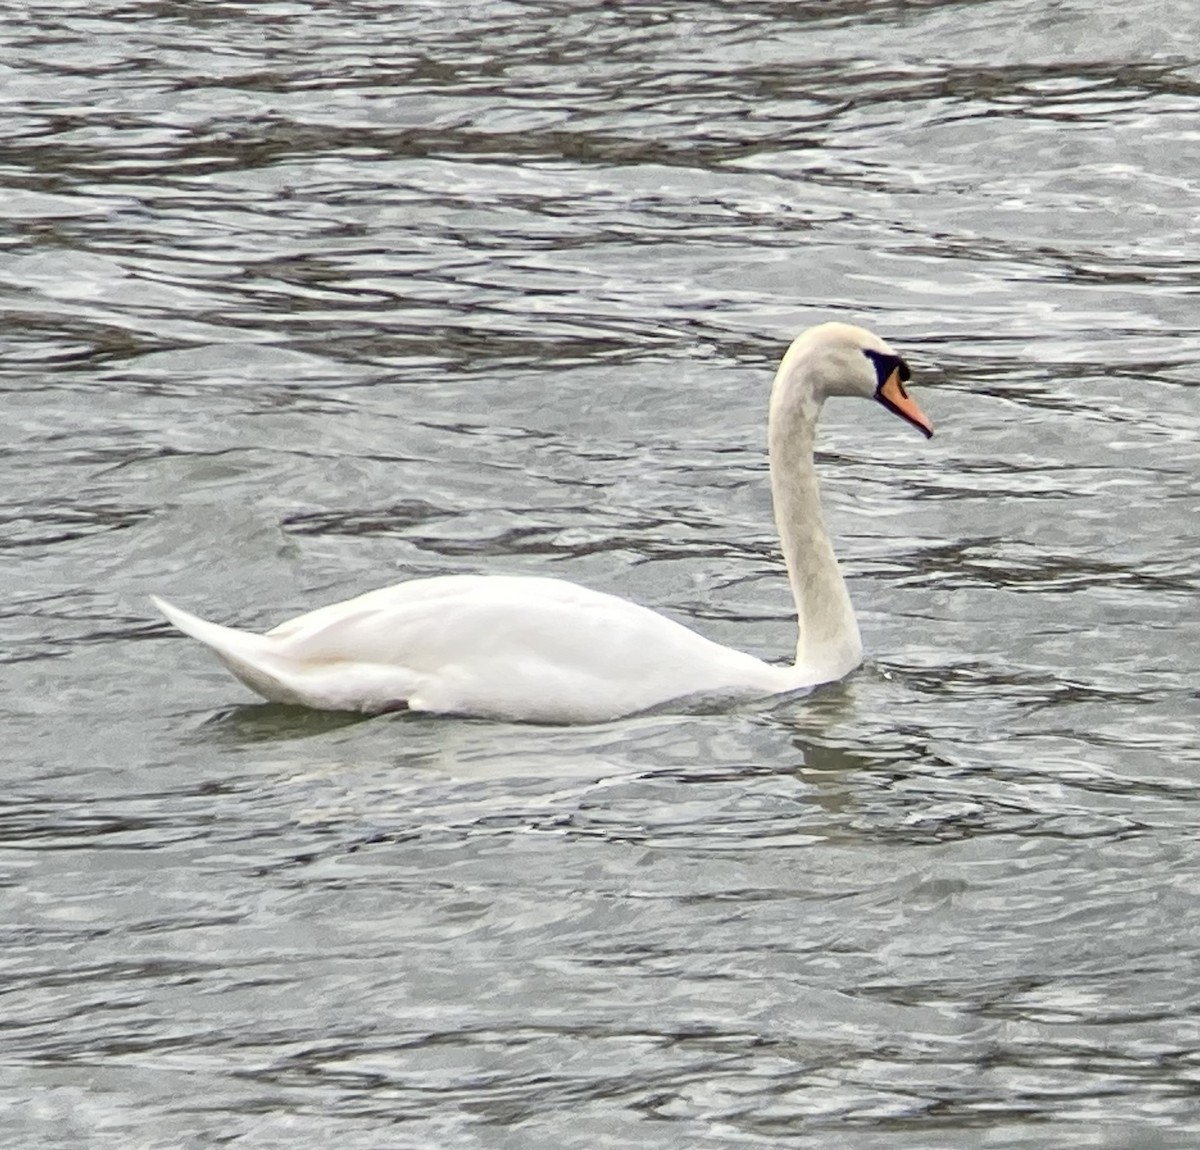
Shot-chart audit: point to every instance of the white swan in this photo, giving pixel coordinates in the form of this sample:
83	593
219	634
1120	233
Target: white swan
544	650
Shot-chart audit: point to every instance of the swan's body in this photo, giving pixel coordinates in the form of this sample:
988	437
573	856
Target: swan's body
545	650
511	647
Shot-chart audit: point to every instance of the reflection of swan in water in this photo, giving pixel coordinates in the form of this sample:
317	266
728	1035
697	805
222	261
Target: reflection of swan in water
544	650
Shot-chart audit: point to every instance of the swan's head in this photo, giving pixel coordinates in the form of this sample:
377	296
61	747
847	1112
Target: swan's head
841	359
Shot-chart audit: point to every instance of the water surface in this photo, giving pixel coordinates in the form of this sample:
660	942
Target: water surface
304	299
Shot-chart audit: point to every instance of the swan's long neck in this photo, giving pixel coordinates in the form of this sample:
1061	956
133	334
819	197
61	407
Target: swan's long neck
828	644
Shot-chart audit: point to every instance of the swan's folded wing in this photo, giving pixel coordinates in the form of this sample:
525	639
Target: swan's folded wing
511	647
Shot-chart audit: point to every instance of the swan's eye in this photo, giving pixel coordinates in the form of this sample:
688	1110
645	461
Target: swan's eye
885	365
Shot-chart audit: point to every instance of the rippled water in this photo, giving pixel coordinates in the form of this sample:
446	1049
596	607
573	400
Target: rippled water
302	299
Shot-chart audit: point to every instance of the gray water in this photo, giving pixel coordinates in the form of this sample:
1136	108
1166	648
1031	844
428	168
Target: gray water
303	299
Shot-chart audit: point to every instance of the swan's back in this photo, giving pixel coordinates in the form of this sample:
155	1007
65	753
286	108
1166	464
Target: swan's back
514	647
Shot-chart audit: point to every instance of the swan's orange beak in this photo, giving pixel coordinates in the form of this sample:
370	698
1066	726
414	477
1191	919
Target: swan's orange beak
892	395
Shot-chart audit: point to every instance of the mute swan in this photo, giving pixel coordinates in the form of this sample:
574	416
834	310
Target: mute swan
543	650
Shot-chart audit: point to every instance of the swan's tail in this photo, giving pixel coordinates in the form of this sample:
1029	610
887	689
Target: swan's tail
252	658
